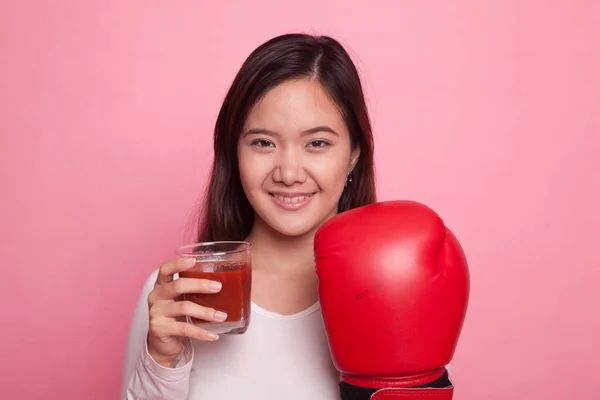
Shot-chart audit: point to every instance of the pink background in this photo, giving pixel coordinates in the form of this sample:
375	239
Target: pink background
487	111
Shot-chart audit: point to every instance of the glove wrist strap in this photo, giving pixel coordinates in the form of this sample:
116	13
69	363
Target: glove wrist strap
414	394
397	382
440	388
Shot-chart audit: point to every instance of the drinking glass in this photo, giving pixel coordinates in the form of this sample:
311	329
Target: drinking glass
228	262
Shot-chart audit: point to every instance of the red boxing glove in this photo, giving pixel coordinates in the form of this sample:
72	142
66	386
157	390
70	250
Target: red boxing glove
394	288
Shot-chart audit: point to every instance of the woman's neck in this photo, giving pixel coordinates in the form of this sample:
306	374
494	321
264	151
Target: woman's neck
281	255
284	279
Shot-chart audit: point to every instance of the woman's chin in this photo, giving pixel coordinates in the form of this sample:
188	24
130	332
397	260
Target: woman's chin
293	231
292	224
292	227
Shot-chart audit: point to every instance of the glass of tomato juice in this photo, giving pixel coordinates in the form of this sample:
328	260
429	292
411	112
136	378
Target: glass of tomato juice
228	262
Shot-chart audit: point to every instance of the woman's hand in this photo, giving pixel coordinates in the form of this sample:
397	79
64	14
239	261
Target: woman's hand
167	313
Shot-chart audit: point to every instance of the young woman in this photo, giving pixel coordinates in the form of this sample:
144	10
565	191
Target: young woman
292	148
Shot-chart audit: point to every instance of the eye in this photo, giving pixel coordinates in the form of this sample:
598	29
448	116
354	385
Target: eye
262	143
318	143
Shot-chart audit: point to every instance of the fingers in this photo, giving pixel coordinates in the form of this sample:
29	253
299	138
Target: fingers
191	309
176	288
187	285
162	328
191	331
166	271
168	312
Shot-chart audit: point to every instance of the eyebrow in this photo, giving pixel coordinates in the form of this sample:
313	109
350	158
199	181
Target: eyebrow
322	128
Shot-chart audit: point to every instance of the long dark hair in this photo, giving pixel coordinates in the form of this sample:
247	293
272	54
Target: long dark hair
226	213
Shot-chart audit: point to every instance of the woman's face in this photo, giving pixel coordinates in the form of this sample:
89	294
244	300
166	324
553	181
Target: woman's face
294	157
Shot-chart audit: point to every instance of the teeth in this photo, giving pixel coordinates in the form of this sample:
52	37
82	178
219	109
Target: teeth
290	199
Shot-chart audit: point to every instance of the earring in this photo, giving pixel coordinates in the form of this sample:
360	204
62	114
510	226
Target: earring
348	178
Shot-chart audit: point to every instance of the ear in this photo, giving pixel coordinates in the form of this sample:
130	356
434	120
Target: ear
354	158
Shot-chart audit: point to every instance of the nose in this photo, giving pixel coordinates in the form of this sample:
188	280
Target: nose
289	168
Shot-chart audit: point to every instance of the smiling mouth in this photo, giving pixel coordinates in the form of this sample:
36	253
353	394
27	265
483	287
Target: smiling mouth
292	199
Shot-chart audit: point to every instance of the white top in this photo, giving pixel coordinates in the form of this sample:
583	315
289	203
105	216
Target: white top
279	357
